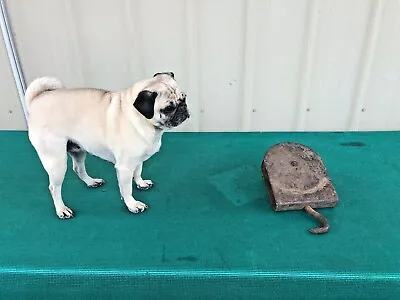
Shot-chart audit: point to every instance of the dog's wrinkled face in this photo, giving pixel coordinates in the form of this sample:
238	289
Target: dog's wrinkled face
162	102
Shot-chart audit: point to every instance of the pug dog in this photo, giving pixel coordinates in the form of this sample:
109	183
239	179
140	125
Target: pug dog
123	127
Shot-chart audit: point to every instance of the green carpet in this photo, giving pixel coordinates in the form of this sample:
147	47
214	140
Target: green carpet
209	232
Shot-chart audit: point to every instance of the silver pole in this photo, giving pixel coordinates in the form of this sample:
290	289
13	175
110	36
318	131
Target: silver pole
12	56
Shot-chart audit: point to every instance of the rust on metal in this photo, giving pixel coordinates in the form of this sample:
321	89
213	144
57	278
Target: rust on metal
296	179
324	223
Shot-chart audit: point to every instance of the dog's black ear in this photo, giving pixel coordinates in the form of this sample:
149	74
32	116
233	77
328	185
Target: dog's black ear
168	73
144	103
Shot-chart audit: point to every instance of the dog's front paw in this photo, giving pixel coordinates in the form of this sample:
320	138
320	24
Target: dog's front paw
96	182
144	184
137	207
64	212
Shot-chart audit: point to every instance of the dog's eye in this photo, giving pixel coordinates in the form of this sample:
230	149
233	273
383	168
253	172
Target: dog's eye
169	108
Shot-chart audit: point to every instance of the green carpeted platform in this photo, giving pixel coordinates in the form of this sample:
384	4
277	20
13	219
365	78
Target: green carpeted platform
210	232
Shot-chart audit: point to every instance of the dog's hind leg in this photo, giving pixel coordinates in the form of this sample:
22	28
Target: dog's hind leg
53	155
78	156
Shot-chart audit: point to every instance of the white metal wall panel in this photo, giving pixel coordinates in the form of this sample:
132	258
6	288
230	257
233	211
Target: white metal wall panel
247	65
11	113
279	63
221	44
339	35
379	105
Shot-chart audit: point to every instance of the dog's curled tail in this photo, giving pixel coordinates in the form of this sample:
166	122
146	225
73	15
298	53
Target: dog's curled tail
39	86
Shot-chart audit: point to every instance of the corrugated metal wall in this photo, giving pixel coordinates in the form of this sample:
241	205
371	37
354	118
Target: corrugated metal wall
11	114
269	65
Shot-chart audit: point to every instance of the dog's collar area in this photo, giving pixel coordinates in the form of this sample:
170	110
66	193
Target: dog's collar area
159	126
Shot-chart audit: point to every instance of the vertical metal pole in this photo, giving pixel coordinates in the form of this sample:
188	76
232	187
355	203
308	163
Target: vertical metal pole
12	56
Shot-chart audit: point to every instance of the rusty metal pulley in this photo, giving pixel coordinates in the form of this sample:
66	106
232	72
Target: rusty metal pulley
296	179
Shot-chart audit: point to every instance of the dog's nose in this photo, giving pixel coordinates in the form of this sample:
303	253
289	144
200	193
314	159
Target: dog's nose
183	97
